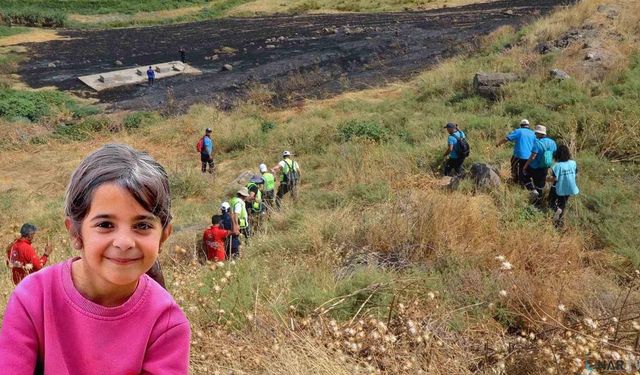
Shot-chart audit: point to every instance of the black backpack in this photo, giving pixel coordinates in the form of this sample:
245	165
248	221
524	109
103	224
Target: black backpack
462	146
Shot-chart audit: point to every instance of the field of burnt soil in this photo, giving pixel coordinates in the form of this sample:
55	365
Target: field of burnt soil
294	56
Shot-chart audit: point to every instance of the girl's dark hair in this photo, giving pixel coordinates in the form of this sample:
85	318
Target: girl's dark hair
133	170
563	153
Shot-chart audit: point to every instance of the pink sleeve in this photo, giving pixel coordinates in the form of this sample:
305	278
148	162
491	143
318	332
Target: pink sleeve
169	354
18	340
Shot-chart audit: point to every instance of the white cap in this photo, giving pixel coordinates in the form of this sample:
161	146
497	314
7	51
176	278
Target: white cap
263	168
524	122
225	206
286	153
540	129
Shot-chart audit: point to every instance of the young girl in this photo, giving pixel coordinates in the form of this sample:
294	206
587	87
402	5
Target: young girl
564	173
99	313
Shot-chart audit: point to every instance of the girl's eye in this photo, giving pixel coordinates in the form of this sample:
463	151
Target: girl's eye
144	226
104	224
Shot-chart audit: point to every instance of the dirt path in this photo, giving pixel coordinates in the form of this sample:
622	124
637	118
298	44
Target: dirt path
303	56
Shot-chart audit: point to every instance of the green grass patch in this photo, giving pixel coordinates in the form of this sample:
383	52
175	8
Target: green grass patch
12	30
32	105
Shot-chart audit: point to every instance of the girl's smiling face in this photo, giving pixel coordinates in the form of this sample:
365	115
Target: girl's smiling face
120	240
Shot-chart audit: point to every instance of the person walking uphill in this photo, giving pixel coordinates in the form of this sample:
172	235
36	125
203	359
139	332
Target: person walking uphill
537	166
564	174
268	194
290	176
457	150
239	218
205	148
523	140
151	76
22	257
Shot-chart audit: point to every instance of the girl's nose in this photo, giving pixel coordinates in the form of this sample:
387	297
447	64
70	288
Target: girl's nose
123	242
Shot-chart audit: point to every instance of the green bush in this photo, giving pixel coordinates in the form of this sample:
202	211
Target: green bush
362	130
33	16
370	193
30	104
138	119
73	132
267	126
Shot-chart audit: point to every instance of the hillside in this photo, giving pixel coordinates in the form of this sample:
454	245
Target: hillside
378	268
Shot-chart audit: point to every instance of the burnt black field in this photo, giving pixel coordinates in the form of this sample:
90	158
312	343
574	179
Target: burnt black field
295	56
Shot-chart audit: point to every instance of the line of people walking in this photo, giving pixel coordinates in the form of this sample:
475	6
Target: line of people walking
243	214
534	154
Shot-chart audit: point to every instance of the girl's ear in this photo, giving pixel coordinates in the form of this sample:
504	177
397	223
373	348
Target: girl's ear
166	232
75	237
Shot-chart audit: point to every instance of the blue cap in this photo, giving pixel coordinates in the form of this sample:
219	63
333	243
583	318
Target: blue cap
450	125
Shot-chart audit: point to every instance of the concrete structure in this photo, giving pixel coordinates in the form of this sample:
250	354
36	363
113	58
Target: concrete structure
137	75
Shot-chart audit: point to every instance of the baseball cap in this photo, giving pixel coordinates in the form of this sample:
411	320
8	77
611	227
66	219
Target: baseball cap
208	130
524	122
262	167
286	153
540	129
244	192
225	206
450	125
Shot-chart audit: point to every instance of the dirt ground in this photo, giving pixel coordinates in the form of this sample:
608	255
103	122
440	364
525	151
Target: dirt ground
293	56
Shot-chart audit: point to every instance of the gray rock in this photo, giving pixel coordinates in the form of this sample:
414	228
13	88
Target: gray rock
270	46
559	74
117	63
51	65
227	67
488	84
484	176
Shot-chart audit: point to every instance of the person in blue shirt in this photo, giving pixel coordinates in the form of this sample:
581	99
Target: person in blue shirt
206	153
523	139
151	76
453	165
536	167
564	174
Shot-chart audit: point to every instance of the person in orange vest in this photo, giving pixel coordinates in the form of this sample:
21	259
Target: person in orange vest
22	257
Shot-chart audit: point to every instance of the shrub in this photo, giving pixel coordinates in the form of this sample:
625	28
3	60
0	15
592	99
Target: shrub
138	119
362	129
32	16
266	126
29	104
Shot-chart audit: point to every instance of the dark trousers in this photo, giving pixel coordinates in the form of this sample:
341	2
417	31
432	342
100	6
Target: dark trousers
283	189
536	179
558	201
206	159
517	170
150	80
453	167
232	246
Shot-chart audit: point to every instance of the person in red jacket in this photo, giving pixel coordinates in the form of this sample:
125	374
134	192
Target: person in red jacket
22	257
213	239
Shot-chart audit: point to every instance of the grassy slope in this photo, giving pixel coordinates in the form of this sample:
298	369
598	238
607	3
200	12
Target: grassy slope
364	201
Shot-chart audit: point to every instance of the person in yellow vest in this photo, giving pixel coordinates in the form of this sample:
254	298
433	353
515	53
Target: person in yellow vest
254	204
239	218
289	177
269	189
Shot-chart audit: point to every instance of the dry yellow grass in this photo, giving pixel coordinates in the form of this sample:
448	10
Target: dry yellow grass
140	17
33	36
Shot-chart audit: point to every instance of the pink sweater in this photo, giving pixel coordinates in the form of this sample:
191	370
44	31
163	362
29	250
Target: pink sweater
49	324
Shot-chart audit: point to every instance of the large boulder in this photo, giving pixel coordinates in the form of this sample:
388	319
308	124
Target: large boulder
488	84
484	176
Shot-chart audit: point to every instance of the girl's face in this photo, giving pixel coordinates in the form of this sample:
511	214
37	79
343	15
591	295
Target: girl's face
120	240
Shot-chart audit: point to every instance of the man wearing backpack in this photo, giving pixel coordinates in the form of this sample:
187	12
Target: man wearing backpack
523	139
538	164
457	150
205	147
289	178
268	194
